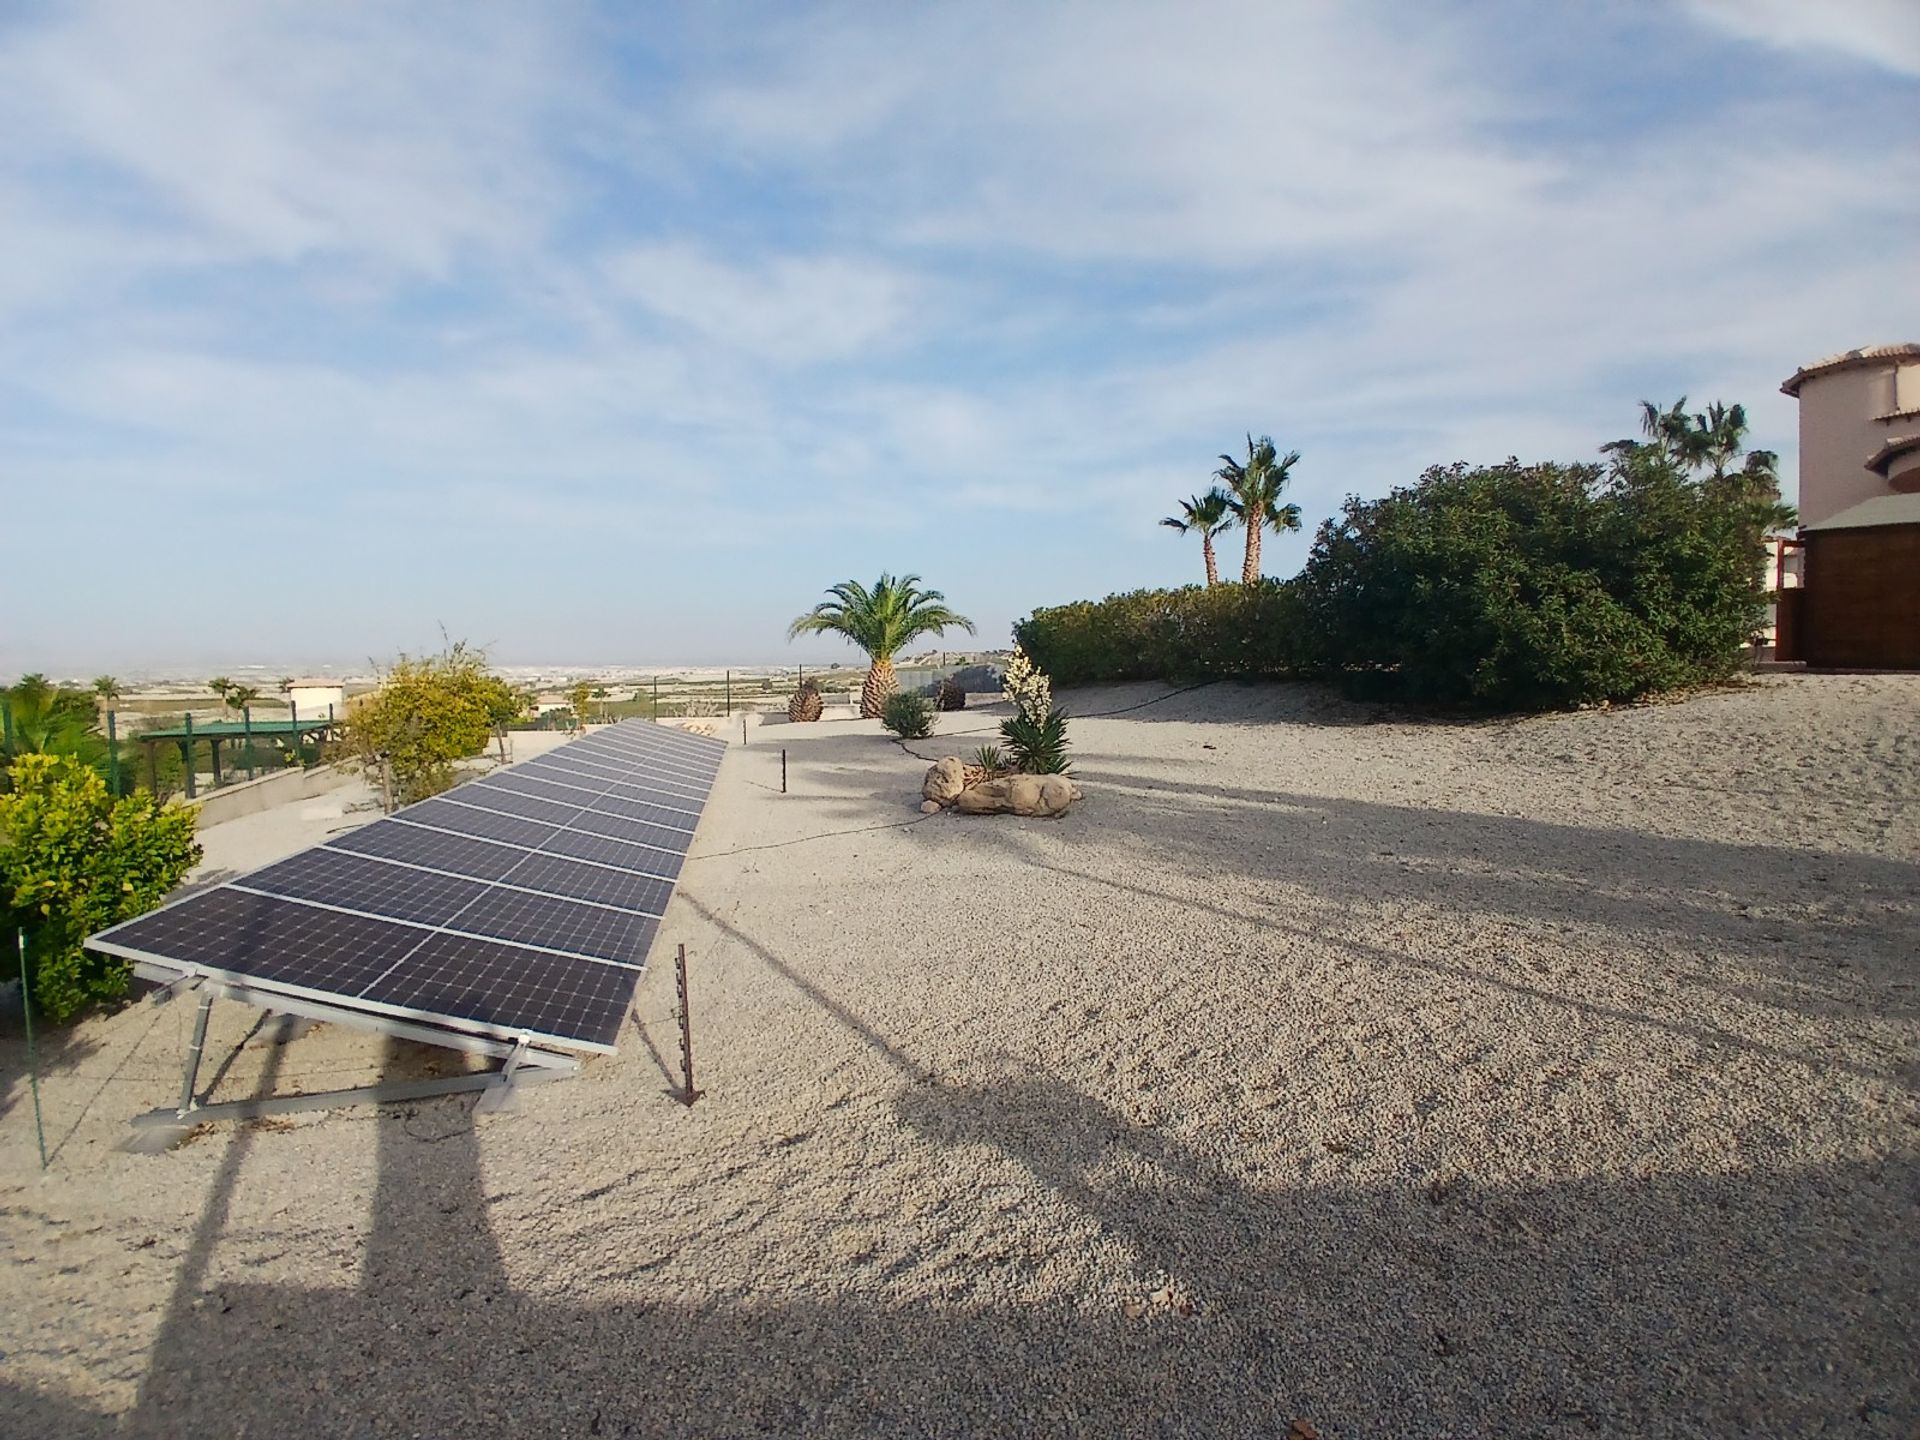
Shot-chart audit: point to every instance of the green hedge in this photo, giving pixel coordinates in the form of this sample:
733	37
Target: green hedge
1535	587
1509	587
1194	633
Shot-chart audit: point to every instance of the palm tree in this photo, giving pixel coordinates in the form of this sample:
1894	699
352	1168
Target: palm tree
239	697
881	621
1714	442
1206	515
1253	494
223	687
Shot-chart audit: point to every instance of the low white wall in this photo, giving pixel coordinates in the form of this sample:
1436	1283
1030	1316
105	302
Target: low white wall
250	797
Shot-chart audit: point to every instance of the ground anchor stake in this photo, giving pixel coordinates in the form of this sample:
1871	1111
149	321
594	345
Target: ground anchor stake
686	1028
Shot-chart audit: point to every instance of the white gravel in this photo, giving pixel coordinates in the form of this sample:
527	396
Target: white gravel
1554	1077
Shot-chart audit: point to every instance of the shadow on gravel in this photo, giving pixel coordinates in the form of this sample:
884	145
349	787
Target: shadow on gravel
1670	1306
1821	934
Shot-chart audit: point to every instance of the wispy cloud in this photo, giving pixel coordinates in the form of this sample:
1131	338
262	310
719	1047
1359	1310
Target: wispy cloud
629	334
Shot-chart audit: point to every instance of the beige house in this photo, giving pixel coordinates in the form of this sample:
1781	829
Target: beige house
1857	601
1859	428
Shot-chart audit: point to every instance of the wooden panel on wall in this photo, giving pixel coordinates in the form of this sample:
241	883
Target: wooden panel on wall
1862	605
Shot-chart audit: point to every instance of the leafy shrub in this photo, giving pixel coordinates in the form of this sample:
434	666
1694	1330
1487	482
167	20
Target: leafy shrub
1197	632
1037	744
1527	587
908	714
74	860
427	714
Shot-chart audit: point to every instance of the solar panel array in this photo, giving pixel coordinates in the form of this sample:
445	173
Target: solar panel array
521	903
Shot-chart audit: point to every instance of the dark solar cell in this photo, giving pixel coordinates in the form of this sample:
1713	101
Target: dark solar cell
509	802
617	853
557	924
652	814
512	988
380	888
560	792
453	909
397	840
487	824
268	939
562	875
636	831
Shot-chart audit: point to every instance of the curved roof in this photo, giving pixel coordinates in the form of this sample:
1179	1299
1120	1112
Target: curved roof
1865	355
1883	458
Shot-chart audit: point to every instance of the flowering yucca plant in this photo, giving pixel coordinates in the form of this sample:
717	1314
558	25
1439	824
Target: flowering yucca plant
1027	688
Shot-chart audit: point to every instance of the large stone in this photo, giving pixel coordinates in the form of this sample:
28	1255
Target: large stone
1019	795
945	780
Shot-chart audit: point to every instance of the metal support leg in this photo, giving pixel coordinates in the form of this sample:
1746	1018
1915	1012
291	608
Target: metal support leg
193	1052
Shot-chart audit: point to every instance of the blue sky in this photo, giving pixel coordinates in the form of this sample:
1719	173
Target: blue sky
613	334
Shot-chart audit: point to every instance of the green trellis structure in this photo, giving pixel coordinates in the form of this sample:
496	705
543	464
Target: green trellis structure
215	732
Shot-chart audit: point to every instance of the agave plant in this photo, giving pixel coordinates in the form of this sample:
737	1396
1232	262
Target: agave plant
1037	744
881	621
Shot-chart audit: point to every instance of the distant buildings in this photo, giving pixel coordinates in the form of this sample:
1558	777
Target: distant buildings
310	699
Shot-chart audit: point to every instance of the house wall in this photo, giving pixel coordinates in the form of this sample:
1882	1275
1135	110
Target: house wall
312	700
1841	427
1860	600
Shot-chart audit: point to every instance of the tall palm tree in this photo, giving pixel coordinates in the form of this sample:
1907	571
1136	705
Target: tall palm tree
1716	443
1253	494
223	687
881	621
239	697
1206	515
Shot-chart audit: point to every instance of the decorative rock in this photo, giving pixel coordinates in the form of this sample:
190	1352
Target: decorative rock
944	781
928	807
1019	795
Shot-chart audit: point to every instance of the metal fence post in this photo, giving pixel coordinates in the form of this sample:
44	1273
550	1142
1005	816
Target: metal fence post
743	734
186	750
656	697
33	1059
113	755
246	729
783	770
686	1028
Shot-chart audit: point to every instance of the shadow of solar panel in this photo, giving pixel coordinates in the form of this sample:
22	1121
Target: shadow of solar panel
560	924
564	875
397	839
376	887
510	988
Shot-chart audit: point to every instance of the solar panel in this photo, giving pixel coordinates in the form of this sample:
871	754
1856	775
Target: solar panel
517	906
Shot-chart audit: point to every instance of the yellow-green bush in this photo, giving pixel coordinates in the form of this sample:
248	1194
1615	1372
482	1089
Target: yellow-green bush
1197	632
74	860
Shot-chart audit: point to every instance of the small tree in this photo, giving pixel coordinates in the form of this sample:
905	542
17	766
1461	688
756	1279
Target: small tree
74	860
578	696
427	714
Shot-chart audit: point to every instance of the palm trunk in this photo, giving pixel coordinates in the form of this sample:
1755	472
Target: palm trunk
881	683
1255	520
1213	568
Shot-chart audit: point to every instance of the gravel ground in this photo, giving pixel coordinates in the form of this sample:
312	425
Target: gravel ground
1554	1077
